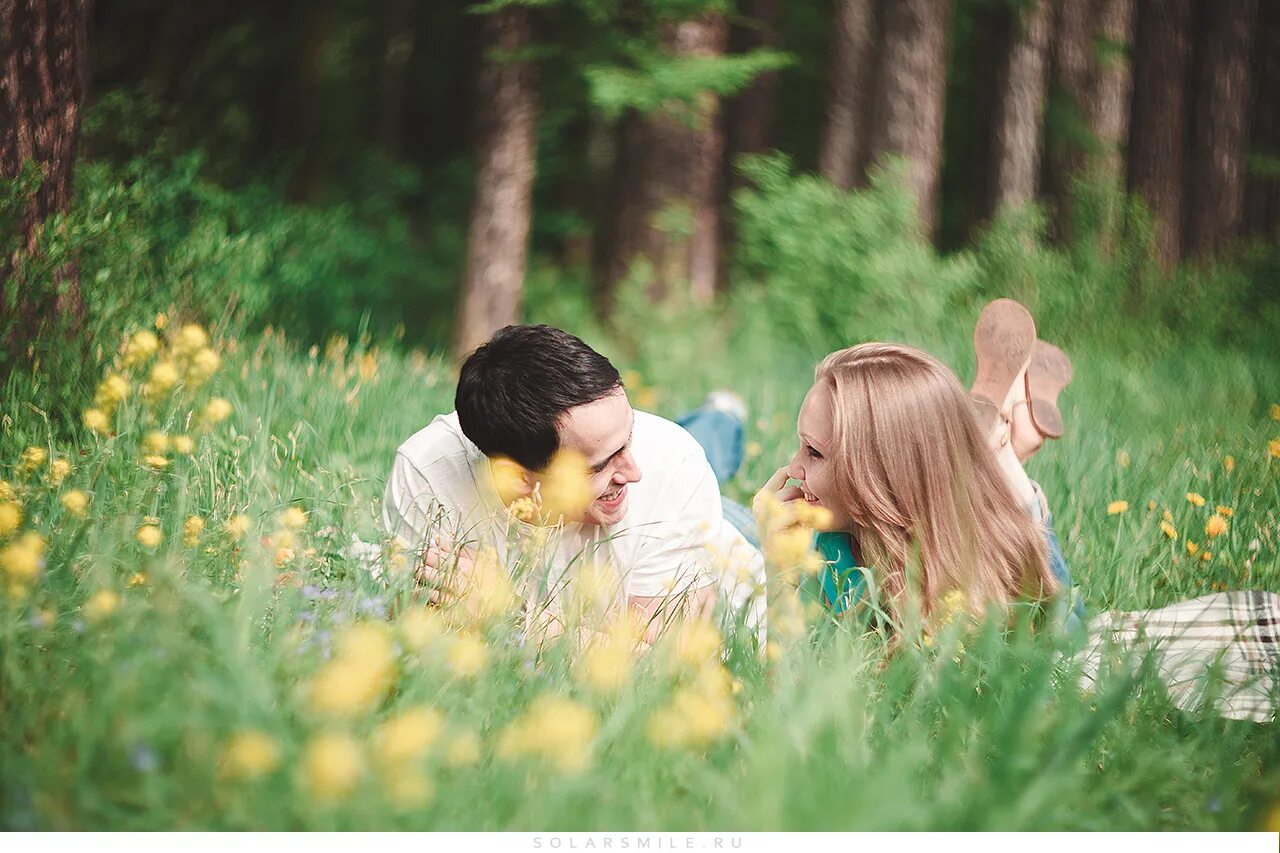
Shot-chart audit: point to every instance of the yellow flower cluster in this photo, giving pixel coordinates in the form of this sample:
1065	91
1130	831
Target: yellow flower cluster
1117	507
22	560
610	658
555	729
698	713
787	532
249	754
358	676
331	766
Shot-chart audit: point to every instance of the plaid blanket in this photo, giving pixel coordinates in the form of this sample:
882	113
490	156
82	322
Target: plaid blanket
1221	649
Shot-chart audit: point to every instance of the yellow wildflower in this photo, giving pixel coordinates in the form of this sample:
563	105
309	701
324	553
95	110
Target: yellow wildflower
192	530
75	502
58	471
6	491
467	656
408	735
110	392
1192	548
21	559
408	787
697	643
359	675
158	463
1271	822
752	449
161	320
249	754
204	364
1168	516
608	662
1206	556
149	536
1151	505
565	487
510	481
142	345
555	729
489	591
1273	447
101	604
137	579
331	766
237	526
368	366
293	518
32	458
1229	463
698	714
215	411
97	421
420	627
155	443
1275	411
462	750
10	517
189	340
1169	530
1216	526
183	444
1117	507
1195	499
1224	511
163	376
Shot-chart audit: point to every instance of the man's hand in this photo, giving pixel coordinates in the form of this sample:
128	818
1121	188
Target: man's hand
445	570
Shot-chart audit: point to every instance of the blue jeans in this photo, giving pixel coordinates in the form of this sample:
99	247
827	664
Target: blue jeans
720	434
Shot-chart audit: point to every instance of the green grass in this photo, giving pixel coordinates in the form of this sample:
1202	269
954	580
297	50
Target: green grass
118	721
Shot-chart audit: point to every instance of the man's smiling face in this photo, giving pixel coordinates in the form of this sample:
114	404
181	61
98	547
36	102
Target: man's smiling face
601	431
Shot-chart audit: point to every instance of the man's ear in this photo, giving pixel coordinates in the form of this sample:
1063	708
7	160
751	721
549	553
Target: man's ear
511	480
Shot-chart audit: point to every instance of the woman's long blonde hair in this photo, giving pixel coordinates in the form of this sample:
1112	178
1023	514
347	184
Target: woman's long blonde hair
916	476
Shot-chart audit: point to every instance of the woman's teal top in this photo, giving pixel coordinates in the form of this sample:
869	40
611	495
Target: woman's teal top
842	583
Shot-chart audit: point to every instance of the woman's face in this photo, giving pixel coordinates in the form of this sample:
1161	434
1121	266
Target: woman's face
812	464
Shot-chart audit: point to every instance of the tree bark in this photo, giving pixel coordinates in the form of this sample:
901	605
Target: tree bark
1220	141
1091	77
910	96
44	69
497	243
1262	193
750	113
1158	138
844	144
1019	122
666	194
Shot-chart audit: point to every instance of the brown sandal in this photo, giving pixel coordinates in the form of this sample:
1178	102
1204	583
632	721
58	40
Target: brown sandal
1049	372
1003	341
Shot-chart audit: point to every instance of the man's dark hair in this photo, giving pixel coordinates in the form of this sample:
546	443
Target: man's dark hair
513	391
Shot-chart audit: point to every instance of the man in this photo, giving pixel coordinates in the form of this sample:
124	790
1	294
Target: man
653	510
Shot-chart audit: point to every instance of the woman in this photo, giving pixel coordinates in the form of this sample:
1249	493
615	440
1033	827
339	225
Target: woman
891	445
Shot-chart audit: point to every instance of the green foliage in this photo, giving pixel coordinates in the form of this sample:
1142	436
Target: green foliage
655	80
839	267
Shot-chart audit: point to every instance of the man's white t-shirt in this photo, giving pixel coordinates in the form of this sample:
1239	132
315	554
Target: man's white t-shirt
673	537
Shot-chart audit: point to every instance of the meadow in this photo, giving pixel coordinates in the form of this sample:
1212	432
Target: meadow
186	640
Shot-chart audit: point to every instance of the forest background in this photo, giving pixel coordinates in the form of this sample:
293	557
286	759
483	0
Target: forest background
315	208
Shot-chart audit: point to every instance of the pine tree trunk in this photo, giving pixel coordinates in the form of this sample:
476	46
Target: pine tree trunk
44	70
1158	138
1219	144
1019	122
1262	194
750	113
497	243
910	96
395	61
667	172
844	145
1091	78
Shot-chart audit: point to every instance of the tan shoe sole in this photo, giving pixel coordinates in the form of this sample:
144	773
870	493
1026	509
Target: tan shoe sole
1049	372
1003	341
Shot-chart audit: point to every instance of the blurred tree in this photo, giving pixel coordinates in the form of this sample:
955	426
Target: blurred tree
395	64
1019	115
1161	108
845	137
1219	143
506	115
665	217
1262	196
44	72
1091	82
749	115
910	92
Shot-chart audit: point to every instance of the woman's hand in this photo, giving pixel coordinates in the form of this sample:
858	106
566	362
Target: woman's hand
776	490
